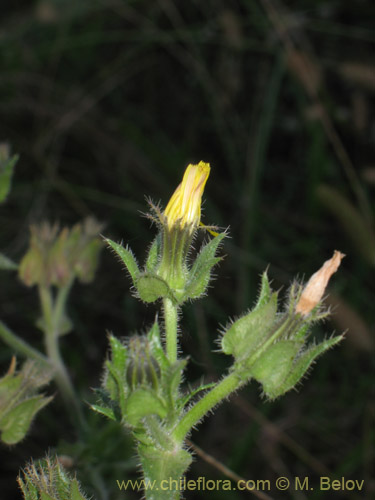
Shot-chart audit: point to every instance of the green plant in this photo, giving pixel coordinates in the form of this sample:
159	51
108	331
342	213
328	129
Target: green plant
54	260
143	381
142	386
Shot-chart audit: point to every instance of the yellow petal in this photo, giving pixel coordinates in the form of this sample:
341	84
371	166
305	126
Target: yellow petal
184	207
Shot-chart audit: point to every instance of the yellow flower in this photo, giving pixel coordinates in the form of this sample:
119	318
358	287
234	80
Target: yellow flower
314	290
184	207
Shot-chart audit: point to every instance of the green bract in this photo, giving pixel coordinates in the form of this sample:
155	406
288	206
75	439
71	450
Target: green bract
190	282
47	480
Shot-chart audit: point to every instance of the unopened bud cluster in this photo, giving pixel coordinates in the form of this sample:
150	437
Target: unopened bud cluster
139	380
56	257
142	368
47	480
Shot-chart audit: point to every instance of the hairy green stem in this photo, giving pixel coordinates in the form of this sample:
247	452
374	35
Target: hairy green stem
216	395
163	471
20	346
170	321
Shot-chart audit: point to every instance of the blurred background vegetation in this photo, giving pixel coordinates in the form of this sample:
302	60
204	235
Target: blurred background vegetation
106	102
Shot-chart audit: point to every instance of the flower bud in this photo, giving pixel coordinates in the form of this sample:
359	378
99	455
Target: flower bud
184	207
168	273
142	369
314	290
179	222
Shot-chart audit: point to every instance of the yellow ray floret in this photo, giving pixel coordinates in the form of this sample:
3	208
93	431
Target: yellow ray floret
184	207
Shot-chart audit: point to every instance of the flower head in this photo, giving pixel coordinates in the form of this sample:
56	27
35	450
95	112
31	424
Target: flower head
184	207
315	287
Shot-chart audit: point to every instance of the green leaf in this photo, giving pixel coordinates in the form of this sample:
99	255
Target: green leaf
114	380
265	292
184	400
115	384
6	264
15	424
200	273
45	496
10	388
105	402
302	332
107	412
274	365
248	333
150	288
119	353
126	255
74	491
303	363
62	481
33	491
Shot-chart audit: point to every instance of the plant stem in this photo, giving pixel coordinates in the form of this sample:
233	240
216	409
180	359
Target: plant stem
213	397
170	321
60	304
52	315
20	346
163	470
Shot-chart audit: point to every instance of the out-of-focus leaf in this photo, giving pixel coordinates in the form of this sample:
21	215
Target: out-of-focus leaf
7	264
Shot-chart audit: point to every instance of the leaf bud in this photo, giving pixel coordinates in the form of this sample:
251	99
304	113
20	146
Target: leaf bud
142	368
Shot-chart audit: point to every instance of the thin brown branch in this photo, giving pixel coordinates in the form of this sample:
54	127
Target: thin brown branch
226	471
283	438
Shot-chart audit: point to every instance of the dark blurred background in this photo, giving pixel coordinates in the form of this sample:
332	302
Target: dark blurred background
106	102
